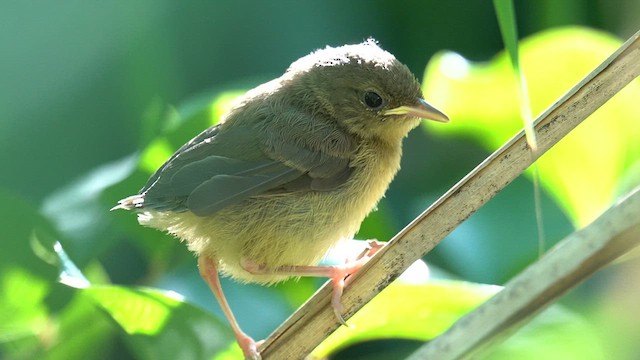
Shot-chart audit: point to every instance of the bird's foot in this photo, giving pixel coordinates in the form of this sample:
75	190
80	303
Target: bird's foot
249	347
340	275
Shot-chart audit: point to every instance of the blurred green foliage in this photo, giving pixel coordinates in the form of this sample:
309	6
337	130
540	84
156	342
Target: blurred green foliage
552	62
95	96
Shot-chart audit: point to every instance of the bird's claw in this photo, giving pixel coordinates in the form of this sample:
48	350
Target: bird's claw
343	275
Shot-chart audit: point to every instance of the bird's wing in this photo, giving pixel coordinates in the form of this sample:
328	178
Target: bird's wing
203	176
319	148
221	167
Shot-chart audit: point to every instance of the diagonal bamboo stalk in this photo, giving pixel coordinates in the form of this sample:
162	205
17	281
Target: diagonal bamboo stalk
571	261
315	320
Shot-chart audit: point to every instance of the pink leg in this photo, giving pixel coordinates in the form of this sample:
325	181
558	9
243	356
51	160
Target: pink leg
338	274
209	273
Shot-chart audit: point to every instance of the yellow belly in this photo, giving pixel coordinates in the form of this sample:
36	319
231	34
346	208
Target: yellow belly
287	229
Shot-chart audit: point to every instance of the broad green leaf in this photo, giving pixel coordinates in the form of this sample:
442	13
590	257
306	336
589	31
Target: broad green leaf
424	311
158	324
22	309
583	171
40	319
409	311
82	330
25	280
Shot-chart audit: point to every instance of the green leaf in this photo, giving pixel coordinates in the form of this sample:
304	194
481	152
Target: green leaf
22	309
25	280
40	319
508	29
160	324
427	310
583	171
423	311
82	331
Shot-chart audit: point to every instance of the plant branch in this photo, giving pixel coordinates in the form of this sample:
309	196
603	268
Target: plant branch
570	262
314	321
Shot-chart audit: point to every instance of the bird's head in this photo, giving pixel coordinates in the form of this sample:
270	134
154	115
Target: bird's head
364	88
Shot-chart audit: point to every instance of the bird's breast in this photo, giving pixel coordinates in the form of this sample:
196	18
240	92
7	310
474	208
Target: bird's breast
375	166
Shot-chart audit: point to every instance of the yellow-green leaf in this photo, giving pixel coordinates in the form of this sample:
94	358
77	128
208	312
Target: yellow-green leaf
584	170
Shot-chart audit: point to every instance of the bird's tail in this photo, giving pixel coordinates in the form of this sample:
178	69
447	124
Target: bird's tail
130	203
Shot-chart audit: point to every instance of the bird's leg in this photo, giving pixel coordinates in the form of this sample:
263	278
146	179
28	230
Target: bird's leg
209	273
338	274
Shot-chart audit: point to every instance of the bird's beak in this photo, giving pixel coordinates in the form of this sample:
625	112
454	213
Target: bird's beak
422	110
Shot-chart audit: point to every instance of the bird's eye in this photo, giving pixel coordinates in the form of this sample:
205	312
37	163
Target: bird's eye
373	100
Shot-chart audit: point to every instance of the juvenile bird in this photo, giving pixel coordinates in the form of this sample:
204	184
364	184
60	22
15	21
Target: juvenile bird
293	168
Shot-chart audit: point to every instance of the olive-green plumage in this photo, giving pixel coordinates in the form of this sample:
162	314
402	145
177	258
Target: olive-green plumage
294	167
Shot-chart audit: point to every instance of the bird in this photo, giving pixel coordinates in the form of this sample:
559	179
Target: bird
289	171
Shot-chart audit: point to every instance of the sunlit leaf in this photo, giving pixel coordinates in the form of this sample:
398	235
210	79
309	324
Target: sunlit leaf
22	309
29	326
25	280
81	330
409	311
424	311
583	170
159	324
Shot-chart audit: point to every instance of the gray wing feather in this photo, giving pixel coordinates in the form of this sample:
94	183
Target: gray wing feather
319	148
291	154
207	198
208	133
189	177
